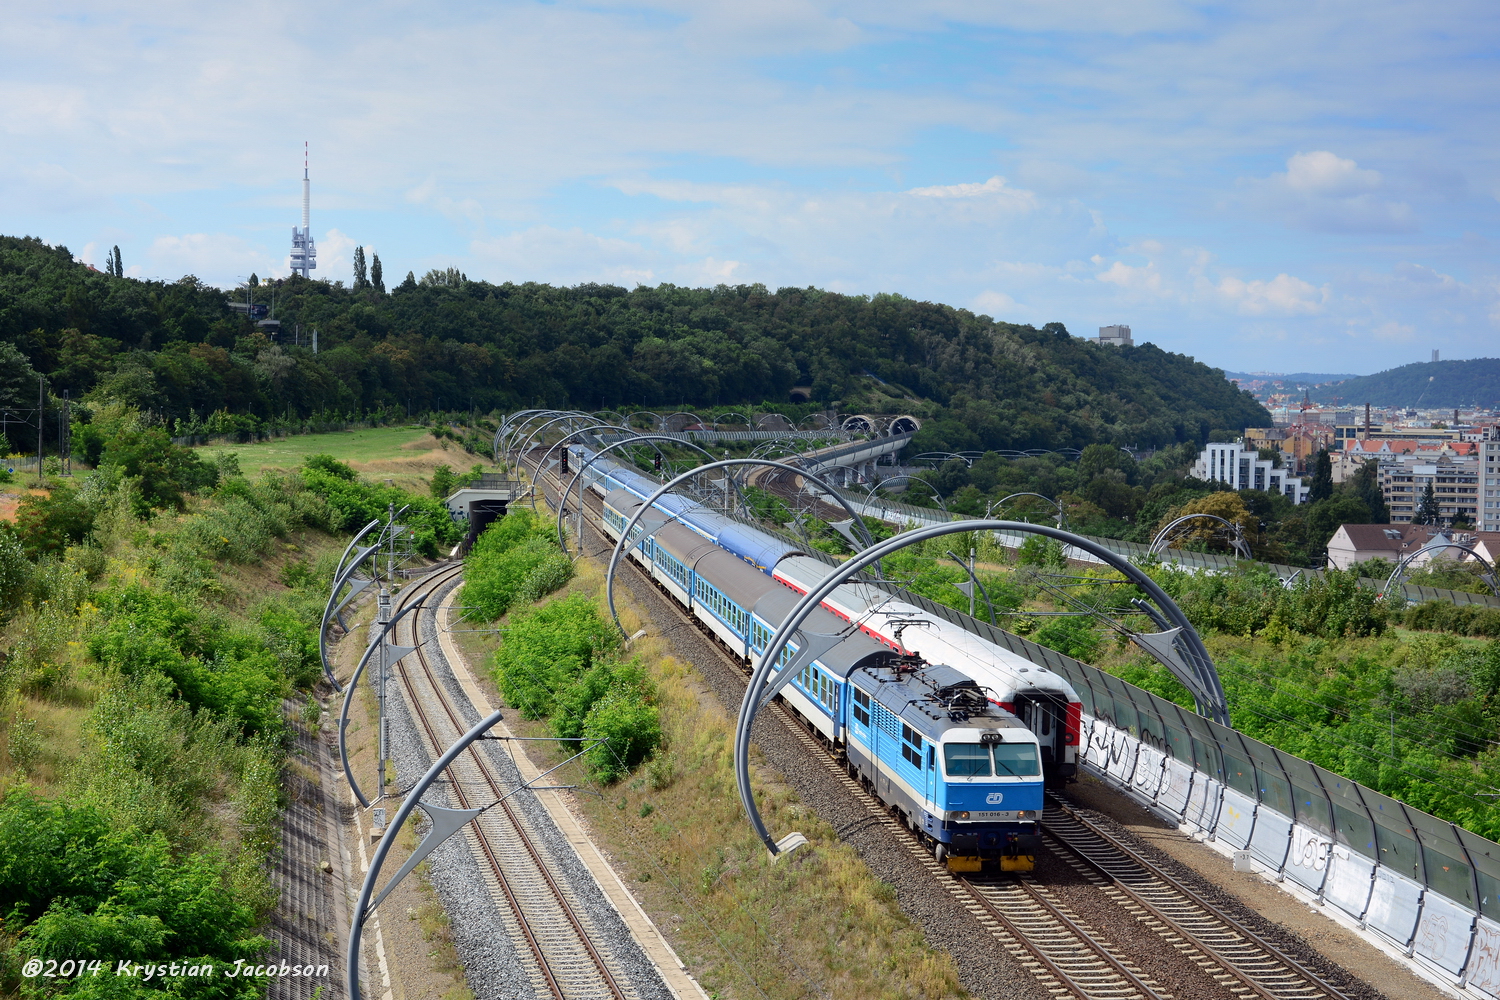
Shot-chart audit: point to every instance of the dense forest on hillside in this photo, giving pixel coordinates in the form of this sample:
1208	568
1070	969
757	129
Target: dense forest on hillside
1426	384
177	350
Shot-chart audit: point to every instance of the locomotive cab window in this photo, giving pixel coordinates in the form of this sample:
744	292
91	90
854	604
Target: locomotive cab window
861	707
966	760
1016	760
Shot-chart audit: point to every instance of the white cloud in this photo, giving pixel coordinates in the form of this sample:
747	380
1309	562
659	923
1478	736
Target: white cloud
994	187
218	258
995	304
1282	295
1323	173
1323	192
1146	279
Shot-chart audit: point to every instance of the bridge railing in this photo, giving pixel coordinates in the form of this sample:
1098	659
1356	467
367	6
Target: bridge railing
829	456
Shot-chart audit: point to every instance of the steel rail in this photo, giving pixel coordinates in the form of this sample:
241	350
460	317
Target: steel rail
559	900
1174	885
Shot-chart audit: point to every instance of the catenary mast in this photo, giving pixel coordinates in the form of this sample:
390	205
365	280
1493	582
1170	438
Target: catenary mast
304	252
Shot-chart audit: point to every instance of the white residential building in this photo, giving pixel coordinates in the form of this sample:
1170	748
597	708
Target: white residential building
1489	475
1116	336
1242	468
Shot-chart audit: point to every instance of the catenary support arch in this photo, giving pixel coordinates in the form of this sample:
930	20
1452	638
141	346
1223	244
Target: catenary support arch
759	692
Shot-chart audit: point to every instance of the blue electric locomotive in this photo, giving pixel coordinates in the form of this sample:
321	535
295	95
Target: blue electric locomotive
964	774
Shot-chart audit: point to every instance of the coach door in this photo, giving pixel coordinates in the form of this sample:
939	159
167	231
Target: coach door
1044	717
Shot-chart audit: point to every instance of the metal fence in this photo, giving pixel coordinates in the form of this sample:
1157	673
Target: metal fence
1426	885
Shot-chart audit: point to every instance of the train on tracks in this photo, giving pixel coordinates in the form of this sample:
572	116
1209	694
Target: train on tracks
958	738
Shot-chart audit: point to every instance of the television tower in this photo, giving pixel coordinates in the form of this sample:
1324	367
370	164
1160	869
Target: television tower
304	253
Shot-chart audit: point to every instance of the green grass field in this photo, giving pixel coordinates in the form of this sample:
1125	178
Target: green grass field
361	446
404	455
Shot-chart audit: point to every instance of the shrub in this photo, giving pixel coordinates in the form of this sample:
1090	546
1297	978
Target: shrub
629	724
165	471
76	887
229	672
352	504
515	559
15	571
1071	635
49	524
546	648
330	465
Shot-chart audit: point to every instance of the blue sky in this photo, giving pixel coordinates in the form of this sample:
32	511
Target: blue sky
1269	186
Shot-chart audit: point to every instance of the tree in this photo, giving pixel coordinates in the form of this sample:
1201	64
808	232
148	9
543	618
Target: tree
113	264
377	277
1427	507
1321	487
361	280
1365	484
165	470
1226	504
254	280
409	284
18	387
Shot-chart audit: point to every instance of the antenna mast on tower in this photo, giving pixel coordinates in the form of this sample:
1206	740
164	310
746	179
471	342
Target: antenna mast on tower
304	252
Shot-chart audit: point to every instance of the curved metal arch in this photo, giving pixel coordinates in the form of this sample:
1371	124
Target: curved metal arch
1236	535
915	479
582	430
601	414
1397	575
764	417
455	817
519	426
505	424
526	445
721	418
1061	516
375	643
562	501
666	421
614	559
758	693
335	606
945	456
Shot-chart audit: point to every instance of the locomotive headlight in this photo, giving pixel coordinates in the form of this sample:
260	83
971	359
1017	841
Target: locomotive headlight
1028	814
964	814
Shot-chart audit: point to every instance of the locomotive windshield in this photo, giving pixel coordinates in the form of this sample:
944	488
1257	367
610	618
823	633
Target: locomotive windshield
981	760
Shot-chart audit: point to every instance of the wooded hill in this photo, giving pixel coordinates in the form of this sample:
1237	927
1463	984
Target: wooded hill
445	342
1425	384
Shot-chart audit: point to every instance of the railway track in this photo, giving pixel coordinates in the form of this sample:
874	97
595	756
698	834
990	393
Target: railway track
1066	955
1241	960
536	905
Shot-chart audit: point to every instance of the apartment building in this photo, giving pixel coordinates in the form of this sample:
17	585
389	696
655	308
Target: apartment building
1242	468
1454	481
1490	472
